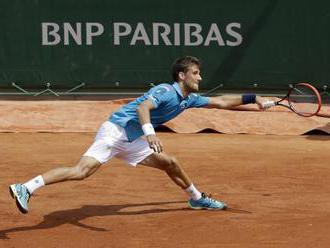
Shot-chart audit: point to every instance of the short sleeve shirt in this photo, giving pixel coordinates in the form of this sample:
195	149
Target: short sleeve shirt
168	102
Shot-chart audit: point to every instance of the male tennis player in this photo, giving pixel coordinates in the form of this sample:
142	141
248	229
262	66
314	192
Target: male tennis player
121	136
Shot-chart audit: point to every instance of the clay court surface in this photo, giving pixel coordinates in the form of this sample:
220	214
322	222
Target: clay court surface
277	187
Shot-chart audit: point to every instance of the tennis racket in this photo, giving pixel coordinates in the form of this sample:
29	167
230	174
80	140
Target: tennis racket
302	98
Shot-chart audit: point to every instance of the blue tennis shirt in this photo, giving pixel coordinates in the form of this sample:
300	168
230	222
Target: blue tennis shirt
168	102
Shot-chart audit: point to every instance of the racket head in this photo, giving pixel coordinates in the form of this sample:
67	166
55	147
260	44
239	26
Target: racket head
304	99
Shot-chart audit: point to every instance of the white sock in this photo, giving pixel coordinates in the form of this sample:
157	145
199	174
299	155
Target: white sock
34	183
193	192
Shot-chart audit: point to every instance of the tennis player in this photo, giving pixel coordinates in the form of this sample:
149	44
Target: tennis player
129	135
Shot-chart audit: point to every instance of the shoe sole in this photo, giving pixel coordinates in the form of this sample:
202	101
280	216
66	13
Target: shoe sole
13	194
206	208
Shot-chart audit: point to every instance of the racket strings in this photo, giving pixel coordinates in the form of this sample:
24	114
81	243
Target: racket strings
304	100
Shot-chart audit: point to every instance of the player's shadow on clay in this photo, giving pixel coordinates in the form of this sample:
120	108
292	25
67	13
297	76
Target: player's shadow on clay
75	216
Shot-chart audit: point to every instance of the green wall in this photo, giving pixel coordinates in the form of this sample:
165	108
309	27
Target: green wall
269	42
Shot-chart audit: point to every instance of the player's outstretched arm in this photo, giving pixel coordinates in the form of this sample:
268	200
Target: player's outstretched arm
230	101
143	112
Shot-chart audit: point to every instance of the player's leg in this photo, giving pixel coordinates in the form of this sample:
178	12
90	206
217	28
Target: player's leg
175	171
83	169
22	192
99	152
171	166
138	152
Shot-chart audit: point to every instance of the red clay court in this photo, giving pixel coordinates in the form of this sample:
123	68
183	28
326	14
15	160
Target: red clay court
277	187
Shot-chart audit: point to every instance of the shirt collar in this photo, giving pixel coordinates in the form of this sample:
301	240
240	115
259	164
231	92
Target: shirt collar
177	88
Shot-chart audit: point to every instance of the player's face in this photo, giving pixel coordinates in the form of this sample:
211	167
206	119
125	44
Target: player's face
192	78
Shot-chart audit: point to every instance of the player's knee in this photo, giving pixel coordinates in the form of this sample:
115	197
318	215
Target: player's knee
172	165
81	171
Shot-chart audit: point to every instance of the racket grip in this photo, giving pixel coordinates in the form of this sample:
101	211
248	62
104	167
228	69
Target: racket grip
268	104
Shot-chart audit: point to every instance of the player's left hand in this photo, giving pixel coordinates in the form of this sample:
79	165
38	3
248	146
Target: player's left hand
155	143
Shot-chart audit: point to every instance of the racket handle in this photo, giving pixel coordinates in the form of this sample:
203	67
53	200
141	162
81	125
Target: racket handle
268	104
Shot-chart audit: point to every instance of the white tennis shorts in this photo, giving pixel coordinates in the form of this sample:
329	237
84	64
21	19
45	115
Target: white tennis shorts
111	141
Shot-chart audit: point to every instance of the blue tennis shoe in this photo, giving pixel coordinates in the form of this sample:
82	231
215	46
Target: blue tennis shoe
207	202
21	194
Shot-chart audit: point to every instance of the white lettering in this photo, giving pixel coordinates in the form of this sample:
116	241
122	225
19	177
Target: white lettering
76	35
231	32
117	33
166	31
154	33
53	33
177	34
90	33
214	34
140	34
196	33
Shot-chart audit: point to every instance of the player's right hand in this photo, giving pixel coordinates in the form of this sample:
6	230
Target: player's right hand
262	102
155	143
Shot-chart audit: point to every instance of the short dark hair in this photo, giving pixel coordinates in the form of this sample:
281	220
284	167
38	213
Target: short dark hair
182	65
